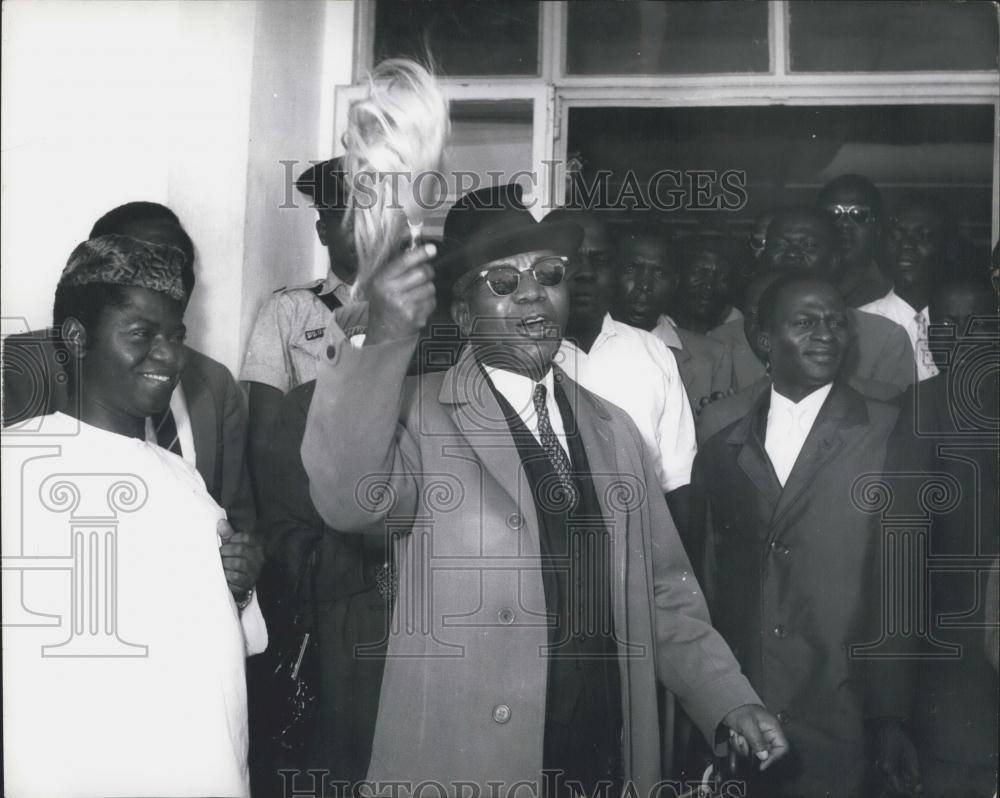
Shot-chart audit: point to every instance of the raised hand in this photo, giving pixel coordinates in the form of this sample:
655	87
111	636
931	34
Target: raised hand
401	296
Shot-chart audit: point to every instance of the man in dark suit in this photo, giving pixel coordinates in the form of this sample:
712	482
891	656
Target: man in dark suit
750	363
516	646
948	428
791	579
208	415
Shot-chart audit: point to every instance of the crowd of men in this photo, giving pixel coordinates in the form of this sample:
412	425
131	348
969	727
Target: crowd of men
559	508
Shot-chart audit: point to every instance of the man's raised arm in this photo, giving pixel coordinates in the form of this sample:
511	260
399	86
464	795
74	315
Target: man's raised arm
361	463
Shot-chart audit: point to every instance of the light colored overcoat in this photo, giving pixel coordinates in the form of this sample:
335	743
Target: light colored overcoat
463	695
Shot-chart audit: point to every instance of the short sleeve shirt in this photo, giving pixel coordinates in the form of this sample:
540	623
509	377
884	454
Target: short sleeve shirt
287	338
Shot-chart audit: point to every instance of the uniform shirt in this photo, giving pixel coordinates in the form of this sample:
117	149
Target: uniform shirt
519	391
788	425
634	370
128	679
287	339
892	307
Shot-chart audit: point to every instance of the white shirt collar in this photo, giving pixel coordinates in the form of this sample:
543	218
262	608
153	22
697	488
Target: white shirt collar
905	307
332	284
808	406
516	388
608	329
666	329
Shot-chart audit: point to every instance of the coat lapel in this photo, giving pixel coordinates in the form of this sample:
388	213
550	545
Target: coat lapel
201	411
748	435
842	408
477	414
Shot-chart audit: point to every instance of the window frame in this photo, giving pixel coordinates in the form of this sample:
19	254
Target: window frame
555	93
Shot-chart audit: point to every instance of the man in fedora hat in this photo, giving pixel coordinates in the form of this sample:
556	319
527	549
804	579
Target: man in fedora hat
542	585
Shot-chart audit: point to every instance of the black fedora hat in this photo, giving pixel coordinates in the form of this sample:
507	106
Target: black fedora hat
493	223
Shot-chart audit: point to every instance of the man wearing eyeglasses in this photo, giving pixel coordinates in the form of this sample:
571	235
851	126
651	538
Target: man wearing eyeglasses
542	584
856	207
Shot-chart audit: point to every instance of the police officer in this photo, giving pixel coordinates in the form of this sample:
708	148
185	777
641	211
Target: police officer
287	337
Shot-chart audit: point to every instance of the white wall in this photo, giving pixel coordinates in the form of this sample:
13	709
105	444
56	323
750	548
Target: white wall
191	104
298	59
81	132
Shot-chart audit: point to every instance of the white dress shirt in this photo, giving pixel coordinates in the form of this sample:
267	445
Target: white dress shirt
788	425
634	370
519	391
182	419
896	309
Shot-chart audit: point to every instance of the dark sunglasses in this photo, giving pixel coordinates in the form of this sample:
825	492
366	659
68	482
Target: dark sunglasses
859	214
503	280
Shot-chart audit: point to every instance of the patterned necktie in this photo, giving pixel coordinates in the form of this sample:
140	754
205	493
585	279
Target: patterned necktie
166	431
554	450
923	353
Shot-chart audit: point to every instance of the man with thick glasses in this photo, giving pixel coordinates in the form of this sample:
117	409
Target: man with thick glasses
856	207
542	585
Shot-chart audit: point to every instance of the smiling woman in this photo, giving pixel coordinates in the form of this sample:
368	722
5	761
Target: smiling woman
123	631
120	305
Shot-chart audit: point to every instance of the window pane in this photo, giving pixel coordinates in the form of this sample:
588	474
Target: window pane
892	37
657	38
491	142
729	165
464	37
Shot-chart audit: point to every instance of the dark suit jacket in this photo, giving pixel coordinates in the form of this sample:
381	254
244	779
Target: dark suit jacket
791	580
945	430
34	384
881	352
350	618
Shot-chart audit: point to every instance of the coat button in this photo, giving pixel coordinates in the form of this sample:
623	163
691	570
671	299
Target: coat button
782	717
331	350
515	520
506	616
780	631
501	713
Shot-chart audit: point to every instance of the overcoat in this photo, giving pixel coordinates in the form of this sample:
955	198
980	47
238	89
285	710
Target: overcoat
793	580
463	694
